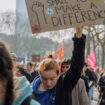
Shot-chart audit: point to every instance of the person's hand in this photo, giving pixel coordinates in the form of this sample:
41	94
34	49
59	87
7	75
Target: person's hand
79	31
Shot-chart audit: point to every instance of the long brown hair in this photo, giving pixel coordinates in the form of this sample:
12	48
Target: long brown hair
6	66
102	72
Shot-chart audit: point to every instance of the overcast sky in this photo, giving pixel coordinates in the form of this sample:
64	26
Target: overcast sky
7	5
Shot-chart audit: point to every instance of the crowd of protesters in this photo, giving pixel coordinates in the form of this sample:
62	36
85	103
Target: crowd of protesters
69	82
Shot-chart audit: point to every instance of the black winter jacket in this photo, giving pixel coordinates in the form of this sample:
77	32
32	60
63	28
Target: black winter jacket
68	80
30	77
101	84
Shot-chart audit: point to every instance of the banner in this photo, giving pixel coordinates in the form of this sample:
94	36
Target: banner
49	15
60	51
91	60
36	57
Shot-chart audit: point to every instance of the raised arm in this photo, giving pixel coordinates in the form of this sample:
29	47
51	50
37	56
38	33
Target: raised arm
77	61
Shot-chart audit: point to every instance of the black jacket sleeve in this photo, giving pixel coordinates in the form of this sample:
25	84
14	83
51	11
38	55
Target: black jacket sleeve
86	81
26	74
77	62
60	93
63	97
30	77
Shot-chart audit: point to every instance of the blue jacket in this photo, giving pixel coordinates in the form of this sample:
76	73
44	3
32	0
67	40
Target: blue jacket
43	97
25	92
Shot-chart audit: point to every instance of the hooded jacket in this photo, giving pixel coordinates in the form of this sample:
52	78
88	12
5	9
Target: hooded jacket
43	97
25	92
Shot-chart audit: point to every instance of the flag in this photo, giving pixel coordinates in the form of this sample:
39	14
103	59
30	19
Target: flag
55	57
91	60
60	51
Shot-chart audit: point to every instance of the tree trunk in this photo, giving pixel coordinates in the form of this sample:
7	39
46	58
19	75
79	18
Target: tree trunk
88	43
93	41
98	55
103	56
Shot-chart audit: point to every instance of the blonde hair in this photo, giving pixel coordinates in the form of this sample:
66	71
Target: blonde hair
102	72
49	55
17	84
48	64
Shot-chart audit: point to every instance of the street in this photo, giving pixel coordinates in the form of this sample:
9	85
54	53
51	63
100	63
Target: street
95	97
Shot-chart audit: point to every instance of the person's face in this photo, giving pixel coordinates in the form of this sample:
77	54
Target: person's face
84	69
65	67
49	79
28	67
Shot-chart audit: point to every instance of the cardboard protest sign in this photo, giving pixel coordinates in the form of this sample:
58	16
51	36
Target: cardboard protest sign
49	15
36	57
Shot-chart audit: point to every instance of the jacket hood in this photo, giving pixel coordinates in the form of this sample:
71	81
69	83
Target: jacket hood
43	97
25	91
36	84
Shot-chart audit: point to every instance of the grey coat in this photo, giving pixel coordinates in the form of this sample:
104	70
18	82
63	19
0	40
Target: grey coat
79	94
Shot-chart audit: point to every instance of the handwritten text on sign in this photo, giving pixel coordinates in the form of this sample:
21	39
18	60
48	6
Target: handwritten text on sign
48	15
